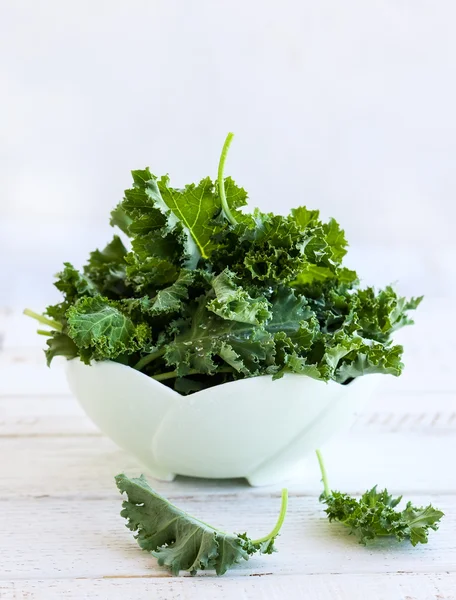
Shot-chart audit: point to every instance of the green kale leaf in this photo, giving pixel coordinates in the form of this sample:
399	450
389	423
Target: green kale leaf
59	344
96	324
106	269
181	542
233	303
375	514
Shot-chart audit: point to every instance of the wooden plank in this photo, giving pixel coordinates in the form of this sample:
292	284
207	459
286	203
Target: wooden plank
394	586
404	463
43	416
79	467
26	374
428	413
45	538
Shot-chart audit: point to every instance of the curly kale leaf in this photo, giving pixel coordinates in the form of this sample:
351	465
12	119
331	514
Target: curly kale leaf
167	300
97	325
181	542
243	345
106	269
187	217
376	515
379	315
59	344
198	342
367	359
73	285
233	303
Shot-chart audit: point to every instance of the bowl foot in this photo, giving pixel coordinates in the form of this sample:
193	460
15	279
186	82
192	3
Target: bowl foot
155	471
160	475
265	477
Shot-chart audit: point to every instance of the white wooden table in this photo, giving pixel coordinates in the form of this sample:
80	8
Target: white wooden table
61	535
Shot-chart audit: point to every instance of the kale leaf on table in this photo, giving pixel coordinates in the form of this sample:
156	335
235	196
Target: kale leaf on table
375	514
181	542
195	291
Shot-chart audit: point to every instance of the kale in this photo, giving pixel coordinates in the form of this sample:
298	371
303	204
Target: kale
201	292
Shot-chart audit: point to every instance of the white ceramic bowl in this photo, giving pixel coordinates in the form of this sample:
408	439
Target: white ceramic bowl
255	428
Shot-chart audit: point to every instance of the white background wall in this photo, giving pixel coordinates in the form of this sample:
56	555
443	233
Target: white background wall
349	107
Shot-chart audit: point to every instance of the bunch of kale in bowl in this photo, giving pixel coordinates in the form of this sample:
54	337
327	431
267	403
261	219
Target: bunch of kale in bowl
195	291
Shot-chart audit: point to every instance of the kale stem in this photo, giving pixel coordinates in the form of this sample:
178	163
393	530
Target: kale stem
324	476
163	376
221	183
280	520
145	360
42	319
173	374
43	332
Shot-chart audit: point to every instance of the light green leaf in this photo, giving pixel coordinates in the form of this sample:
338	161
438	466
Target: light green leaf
232	302
292	315
96	324
420	520
120	219
335	238
370	359
233	359
170	298
194	207
304	217
147	274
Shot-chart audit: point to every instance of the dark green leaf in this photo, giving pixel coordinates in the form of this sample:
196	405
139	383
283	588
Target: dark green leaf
107	269
60	345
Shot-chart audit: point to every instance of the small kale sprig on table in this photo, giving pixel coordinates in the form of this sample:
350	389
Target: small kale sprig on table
374	515
179	541
198	292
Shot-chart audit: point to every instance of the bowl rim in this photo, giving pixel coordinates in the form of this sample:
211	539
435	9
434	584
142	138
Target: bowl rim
228	384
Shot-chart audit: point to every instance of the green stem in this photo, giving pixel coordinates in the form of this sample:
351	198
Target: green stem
324	476
163	376
44	332
145	360
221	183
280	520
173	374
42	319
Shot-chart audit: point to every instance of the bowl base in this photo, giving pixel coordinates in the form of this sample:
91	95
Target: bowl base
159	474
